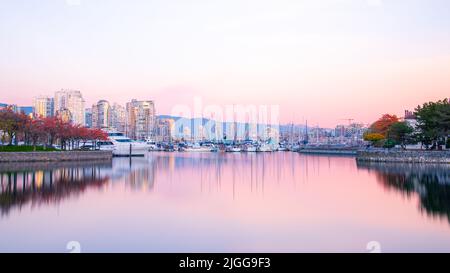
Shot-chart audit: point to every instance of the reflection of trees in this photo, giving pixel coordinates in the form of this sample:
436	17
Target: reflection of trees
39	183
431	182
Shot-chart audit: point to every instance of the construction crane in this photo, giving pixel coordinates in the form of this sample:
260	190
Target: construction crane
348	119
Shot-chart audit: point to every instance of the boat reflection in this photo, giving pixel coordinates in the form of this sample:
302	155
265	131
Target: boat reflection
239	177
431	182
49	183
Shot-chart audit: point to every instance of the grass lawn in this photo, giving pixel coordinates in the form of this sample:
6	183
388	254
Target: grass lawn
25	149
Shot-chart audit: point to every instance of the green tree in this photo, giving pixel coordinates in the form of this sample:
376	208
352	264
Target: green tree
433	122
400	132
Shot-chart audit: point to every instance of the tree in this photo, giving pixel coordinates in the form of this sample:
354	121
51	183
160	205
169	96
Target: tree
51	129
374	138
382	125
45	130
433	122
400	132
12	124
34	131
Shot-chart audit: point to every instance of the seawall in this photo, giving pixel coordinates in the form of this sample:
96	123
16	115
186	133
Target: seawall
416	156
54	156
328	151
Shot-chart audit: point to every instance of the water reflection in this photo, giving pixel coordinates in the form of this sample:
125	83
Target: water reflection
430	182
47	183
211	172
44	183
189	202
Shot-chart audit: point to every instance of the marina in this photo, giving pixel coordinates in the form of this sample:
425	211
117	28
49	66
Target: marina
235	135
234	202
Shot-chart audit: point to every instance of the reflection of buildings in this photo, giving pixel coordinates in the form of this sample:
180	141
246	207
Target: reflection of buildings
430	182
40	183
138	173
43	183
141	179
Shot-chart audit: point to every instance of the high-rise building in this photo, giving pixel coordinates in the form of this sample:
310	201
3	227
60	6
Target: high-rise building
101	114
164	129
340	131
88	117
44	106
141	119
71	101
26	110
65	115
118	117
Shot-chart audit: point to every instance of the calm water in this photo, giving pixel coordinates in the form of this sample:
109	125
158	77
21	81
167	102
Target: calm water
213	202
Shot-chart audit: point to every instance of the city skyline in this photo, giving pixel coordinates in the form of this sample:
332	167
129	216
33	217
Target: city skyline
309	58
43	106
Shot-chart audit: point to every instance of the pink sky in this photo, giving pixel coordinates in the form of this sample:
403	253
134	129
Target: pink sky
322	62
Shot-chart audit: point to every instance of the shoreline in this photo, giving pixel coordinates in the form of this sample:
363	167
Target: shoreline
349	152
408	156
61	156
394	156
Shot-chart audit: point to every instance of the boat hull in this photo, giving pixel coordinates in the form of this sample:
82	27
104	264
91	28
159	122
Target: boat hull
197	150
125	150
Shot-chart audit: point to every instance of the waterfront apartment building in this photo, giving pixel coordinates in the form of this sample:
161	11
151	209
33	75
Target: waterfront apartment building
118	117
27	110
107	116
88	117
44	106
101	114
141	120
164	129
65	115
70	103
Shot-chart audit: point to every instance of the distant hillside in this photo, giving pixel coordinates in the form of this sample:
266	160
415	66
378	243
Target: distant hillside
186	122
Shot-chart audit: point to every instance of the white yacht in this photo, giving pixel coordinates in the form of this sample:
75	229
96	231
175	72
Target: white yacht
250	148
106	145
233	149
123	146
282	149
151	145
264	147
198	148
